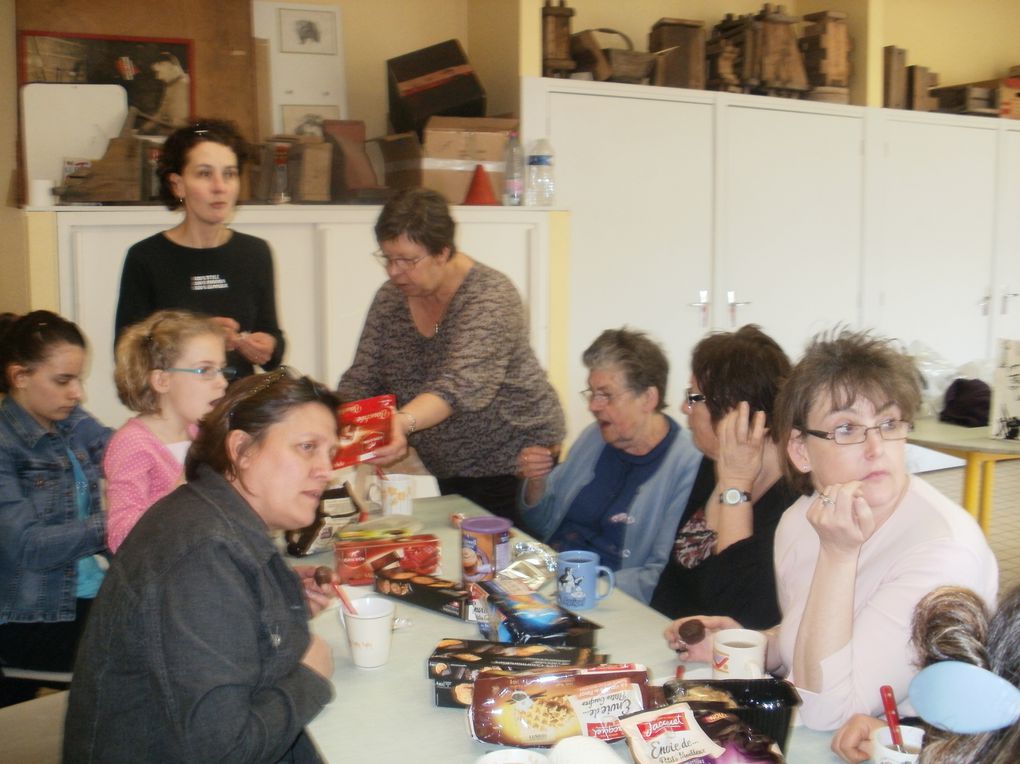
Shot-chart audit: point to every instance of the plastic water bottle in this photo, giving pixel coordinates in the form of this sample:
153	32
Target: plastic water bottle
513	172
541	185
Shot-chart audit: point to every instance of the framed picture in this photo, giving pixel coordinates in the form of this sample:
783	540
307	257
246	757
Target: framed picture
305	31
307	120
155	72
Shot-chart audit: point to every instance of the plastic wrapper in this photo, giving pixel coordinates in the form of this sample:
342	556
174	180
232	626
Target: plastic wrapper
508	611
532	564
539	708
682	734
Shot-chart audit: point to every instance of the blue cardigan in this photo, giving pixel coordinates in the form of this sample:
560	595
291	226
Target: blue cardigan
654	513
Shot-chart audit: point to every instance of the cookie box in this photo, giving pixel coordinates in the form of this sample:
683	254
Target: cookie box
359	560
439	594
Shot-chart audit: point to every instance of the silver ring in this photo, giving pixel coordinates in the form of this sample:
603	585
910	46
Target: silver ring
827	500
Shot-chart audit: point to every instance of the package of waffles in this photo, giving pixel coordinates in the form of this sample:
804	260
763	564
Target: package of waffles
538	708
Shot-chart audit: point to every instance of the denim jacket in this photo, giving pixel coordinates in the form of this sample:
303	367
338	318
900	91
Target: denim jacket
41	536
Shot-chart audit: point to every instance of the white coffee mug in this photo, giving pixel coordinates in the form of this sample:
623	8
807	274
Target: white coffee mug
738	654
882	751
397	494
370	632
40	193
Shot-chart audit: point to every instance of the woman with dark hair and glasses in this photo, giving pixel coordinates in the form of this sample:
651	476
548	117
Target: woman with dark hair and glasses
722	558
198	647
51	515
200	264
622	489
866	540
449	337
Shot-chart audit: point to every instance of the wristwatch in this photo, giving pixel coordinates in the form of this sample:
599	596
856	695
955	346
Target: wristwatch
734	496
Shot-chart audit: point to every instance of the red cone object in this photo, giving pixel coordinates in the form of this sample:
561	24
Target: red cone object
480	191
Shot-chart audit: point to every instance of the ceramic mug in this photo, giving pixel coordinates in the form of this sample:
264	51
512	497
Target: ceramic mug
394	492
882	751
370	632
738	654
577	576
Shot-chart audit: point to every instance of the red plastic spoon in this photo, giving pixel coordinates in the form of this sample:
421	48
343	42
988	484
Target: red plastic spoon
892	716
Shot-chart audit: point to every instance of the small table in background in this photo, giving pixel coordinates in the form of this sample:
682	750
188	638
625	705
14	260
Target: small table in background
980	452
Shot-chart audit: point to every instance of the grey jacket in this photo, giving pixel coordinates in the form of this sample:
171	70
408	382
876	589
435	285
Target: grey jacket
193	647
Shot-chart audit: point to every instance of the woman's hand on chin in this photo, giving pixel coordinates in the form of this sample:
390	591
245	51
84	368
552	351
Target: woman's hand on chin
842	518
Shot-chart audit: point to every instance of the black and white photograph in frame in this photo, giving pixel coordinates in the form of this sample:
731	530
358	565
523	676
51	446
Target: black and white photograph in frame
307	120
304	31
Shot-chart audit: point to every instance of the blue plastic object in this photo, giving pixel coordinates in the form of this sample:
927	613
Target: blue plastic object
963	698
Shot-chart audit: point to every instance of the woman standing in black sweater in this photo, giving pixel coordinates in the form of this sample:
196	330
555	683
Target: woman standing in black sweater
201	264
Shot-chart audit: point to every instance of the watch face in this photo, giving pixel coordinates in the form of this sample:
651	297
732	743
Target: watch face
733	496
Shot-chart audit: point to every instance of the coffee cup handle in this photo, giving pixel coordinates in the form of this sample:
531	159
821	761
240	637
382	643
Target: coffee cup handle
600	571
755	671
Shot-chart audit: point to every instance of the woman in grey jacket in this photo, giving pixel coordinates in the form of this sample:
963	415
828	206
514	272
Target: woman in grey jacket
198	647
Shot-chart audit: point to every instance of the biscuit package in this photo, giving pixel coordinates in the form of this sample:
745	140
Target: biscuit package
358	561
538	708
439	594
682	734
364	428
508	611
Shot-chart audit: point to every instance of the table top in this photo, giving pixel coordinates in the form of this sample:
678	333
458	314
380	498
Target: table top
931	433
378	714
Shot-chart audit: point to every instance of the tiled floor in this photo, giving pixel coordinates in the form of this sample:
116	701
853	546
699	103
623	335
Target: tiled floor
1004	535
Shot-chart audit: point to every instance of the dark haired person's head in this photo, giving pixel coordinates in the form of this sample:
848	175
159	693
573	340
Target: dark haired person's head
176	154
42	356
845	412
421	215
728	368
272	437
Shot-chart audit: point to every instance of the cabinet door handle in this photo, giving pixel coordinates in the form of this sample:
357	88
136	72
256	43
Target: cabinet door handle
1005	301
703	305
734	303
984	302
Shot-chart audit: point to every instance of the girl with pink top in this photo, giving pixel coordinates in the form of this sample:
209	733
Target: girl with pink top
170	369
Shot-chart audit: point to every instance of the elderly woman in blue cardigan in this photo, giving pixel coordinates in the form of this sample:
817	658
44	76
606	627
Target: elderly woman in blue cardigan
623	488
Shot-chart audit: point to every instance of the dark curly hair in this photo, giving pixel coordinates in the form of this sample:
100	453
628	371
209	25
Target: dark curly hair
174	156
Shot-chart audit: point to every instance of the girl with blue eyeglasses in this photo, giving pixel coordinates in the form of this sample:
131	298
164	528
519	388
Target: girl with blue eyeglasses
170	369
51	518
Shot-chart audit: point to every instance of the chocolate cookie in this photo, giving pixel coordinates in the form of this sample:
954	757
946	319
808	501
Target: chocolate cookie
692	631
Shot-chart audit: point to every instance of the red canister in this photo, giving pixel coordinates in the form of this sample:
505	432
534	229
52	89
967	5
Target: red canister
484	547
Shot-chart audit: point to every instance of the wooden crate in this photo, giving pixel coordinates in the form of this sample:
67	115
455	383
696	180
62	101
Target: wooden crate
679	47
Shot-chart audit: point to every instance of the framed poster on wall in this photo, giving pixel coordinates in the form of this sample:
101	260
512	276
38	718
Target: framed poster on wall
307	31
156	73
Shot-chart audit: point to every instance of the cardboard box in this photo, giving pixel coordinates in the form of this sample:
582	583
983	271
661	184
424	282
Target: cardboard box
434	80
309	168
439	594
359	560
455	663
453	147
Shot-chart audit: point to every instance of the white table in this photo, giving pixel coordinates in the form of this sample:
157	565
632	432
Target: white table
388	714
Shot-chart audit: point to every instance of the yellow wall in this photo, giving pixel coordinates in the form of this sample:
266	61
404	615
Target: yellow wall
14	294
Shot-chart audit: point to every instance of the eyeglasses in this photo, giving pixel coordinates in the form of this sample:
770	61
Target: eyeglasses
598	396
694	398
852	434
400	264
208	373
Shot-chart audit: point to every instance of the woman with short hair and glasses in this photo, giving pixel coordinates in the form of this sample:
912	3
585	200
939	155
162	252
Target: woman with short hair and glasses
200	264
198	646
449	337
722	558
623	488
52	523
866	541
170	370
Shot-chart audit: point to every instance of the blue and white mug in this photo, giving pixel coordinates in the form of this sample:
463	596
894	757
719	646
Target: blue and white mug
577	580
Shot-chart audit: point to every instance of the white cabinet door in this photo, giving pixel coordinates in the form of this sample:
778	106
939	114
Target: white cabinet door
929	278
634	167
1005	307
790	217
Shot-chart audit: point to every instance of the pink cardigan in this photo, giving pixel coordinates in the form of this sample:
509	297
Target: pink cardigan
140	471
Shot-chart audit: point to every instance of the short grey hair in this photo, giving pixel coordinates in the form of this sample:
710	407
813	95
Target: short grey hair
640	358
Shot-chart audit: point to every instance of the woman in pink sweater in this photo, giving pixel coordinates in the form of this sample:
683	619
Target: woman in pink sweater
170	369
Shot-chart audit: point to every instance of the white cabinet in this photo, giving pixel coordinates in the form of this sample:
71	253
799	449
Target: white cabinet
793	215
934	211
789	220
325	276
637	179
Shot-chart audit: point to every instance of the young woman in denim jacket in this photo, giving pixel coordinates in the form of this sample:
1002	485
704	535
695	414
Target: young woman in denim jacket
51	518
